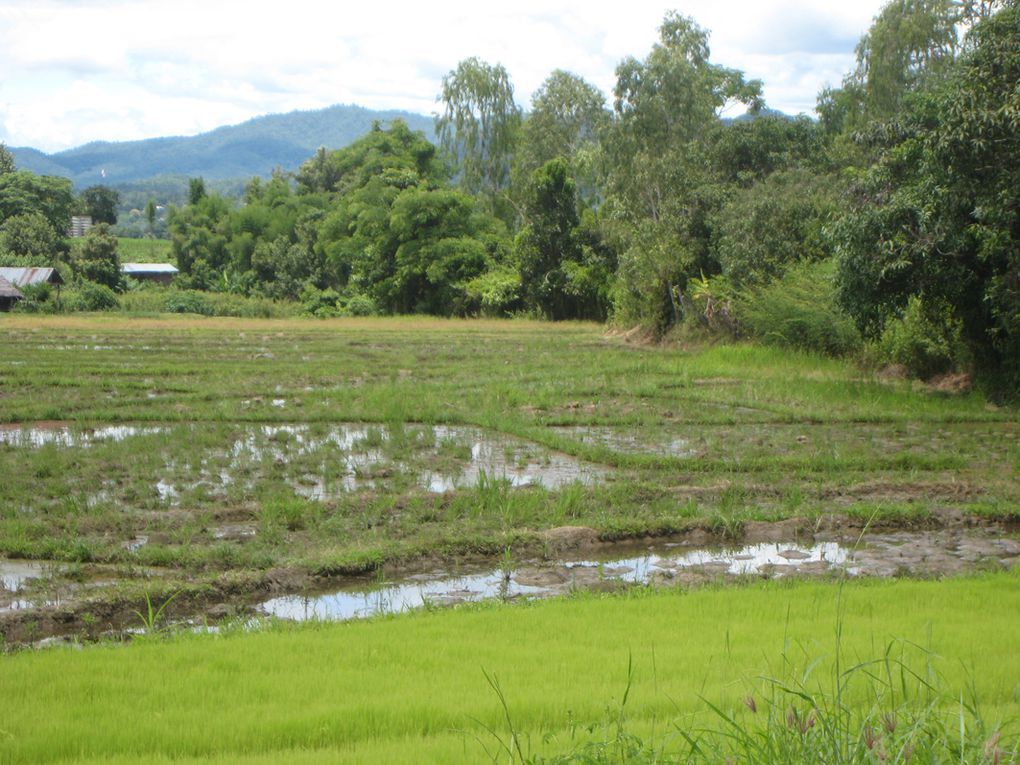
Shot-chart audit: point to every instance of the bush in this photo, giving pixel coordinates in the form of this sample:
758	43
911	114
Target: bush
187	301
497	292
361	305
37	299
799	311
322	304
927	339
89	296
155	299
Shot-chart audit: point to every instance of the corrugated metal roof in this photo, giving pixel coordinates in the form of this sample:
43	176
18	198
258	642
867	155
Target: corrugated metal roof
8	290
21	277
147	268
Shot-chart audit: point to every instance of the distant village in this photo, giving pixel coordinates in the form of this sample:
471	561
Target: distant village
12	279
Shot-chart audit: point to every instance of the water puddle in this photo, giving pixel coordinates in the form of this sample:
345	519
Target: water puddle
622	440
15	573
62	434
503	458
441	458
536	580
664	564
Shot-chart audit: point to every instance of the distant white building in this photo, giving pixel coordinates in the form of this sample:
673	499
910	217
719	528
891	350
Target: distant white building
80	224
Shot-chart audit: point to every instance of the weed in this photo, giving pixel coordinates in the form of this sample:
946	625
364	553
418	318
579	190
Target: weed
153	616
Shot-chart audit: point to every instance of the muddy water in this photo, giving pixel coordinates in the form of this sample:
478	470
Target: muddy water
628	442
15	573
542	580
362	451
440	458
62	434
665	564
38	593
500	456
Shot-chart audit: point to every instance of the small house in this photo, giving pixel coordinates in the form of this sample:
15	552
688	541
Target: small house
9	295
161	273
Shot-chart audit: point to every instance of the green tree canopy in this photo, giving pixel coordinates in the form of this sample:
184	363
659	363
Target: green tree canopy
28	240
479	126
660	174
23	193
937	218
567	118
6	161
100	202
95	258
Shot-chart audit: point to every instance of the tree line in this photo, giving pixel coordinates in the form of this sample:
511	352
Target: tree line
888	226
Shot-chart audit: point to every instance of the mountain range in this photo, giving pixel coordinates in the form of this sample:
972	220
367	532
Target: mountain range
241	151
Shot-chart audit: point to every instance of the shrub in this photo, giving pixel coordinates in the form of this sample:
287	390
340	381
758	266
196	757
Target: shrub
799	311
361	305
926	339
89	296
187	301
320	303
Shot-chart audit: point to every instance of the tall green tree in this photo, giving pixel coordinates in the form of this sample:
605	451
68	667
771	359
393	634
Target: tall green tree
100	202
196	190
568	115
479	127
661	180
28	240
910	43
936	221
6	160
96	259
562	275
22	193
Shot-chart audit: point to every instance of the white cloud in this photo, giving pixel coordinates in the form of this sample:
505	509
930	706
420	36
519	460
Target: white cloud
115	70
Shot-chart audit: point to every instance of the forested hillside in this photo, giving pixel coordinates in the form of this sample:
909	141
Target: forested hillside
889	229
252	148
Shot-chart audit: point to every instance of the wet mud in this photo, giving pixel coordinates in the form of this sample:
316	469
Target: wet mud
37	606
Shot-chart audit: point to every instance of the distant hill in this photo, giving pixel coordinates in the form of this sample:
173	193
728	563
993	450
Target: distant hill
252	148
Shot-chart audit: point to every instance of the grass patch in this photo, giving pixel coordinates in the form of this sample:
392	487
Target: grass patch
411	688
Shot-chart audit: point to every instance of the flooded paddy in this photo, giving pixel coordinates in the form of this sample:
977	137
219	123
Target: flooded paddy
189	463
64	434
662	563
41	593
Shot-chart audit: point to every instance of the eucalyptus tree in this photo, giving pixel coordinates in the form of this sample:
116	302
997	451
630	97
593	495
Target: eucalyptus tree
479	127
661	180
910	43
568	116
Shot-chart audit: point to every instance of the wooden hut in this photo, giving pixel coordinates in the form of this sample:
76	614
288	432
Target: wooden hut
9	295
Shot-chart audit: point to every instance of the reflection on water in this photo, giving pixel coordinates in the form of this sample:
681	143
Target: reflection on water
61	434
14	573
443	589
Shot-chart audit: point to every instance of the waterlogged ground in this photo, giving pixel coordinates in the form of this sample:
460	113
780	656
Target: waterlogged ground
237	462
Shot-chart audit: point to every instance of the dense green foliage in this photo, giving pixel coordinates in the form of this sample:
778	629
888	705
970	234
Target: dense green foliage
934	226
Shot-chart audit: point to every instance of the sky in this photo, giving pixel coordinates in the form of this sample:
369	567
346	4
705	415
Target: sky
74	71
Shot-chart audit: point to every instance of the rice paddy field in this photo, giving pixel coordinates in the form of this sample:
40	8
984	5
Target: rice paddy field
196	483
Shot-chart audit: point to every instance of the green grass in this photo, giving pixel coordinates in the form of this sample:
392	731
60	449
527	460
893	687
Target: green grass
411	688
144	250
